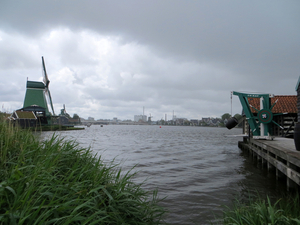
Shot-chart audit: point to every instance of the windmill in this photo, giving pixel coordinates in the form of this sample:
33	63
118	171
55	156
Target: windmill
149	118
37	94
63	111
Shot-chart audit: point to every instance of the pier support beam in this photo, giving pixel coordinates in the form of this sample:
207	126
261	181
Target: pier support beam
280	156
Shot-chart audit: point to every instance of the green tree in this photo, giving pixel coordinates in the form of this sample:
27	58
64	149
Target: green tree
225	116
75	116
186	122
238	116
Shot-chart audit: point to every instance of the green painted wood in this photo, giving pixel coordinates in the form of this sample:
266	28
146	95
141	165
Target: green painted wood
35	96
35	84
254	126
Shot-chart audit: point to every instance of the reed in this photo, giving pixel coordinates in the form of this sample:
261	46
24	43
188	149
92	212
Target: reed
261	212
58	182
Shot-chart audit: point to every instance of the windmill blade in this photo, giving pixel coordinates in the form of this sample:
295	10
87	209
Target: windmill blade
50	99
46	80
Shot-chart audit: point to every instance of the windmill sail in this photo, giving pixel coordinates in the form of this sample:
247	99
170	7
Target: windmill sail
50	99
47	82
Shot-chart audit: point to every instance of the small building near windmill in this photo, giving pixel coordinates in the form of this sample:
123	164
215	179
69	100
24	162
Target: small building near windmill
284	111
25	119
38	111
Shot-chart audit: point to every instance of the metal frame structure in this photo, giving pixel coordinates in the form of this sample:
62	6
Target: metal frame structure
260	125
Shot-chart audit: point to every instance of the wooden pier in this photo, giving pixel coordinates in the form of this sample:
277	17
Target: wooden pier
279	154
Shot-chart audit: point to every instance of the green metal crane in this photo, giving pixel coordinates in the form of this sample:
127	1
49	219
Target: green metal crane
260	125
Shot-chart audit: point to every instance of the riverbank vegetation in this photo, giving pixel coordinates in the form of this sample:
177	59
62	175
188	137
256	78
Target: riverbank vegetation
58	182
284	211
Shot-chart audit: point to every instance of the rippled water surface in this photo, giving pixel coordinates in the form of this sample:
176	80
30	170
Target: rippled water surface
198	169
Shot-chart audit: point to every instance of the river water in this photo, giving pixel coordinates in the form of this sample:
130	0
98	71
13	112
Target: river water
198	169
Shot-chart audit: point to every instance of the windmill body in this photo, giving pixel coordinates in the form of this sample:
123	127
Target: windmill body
37	94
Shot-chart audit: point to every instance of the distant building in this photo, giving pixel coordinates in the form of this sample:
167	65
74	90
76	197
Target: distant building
206	120
74	121
138	118
180	121
62	120
194	122
210	121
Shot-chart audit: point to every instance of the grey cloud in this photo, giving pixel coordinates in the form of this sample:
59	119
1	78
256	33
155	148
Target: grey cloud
186	54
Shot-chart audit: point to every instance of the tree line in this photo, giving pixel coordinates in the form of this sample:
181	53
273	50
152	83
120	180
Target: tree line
226	116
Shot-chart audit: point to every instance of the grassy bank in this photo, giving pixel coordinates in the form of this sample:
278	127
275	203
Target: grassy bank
284	211
58	182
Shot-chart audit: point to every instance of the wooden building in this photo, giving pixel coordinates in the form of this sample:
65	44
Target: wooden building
286	107
62	120
39	112
25	119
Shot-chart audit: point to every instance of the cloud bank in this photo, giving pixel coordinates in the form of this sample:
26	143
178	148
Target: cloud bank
111	59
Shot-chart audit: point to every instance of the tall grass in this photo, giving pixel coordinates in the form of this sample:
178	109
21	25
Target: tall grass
260	212
58	182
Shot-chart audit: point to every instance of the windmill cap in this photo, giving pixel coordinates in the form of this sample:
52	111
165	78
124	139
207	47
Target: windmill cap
35	84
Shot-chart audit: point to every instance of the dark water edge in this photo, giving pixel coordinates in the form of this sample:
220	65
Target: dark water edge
199	170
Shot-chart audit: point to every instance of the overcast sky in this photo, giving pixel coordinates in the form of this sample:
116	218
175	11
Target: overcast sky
111	58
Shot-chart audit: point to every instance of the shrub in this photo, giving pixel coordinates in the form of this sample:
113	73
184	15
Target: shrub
58	182
261	212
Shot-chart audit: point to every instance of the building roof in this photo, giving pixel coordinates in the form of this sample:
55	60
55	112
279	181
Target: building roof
35	84
285	104
25	115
